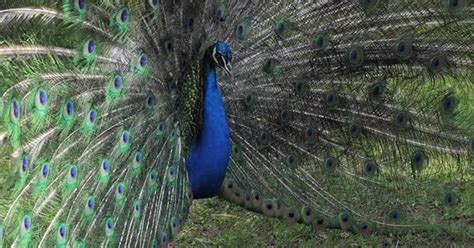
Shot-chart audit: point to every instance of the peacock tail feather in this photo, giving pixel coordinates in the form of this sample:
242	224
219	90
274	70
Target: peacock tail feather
354	115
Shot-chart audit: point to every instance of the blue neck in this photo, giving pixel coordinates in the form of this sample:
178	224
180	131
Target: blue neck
210	151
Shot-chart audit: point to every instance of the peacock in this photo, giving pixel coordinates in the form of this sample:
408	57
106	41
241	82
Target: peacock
343	114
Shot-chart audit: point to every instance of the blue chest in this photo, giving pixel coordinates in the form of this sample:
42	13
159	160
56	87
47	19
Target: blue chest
210	151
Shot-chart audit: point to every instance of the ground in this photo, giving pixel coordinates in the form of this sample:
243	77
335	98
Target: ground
216	223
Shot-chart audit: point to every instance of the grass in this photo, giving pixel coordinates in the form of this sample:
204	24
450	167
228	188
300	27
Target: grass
217	223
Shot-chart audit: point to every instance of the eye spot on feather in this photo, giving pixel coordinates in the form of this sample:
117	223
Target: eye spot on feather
125	137
45	170
401	119
105	165
151	100
249	102
456	5
137	206
418	161
292	161
90	203
263	139
124	15
394	216
236	152
62	231
69	109
321	42
365	229
331	99
109	227
291	216
42	97
80	5
370	168
120	188
356	56
117	82
143	60
153	3
448	105
355	130
404	48
310	135
26	224
15	111
23	164
320	223
437	64
272	66
345	221
377	91
138	157
164	239
92	116
450	199
73	172
331	163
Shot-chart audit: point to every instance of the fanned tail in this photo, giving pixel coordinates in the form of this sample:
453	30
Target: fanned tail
91	155
352	114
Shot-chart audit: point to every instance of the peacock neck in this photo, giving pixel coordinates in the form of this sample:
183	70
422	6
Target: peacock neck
210	151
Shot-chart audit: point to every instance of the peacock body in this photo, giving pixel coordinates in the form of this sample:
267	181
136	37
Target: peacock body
354	115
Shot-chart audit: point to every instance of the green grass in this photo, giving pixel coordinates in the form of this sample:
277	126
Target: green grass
216	223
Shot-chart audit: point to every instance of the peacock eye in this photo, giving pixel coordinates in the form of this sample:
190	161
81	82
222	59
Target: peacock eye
138	157
448	105
105	165
73	172
171	173
125	136
370	168
117	82
150	100
153	3
26	224
456	5
45	170
321	42
109	227
331	164
123	15
68	109
143	60
120	191
80	5
418	160
62	232
90	47
41	98
92	116
15	111
137	206
401	118
141	63
356	56
436	64
23	164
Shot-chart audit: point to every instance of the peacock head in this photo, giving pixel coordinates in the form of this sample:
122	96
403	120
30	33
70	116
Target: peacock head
221	55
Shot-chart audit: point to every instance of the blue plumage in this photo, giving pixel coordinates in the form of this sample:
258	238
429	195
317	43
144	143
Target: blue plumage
210	151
